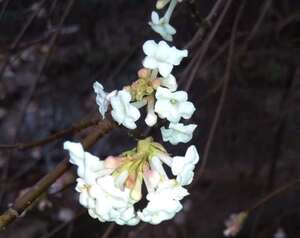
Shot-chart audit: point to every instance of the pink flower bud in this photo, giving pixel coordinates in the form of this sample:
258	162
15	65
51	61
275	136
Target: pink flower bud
112	162
143	73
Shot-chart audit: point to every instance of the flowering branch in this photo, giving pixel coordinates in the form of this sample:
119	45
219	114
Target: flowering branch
23	202
110	188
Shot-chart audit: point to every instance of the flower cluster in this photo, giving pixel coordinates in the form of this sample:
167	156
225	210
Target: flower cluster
110	188
156	89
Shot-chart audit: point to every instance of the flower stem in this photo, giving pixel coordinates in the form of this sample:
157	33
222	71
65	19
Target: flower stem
170	10
273	194
154	73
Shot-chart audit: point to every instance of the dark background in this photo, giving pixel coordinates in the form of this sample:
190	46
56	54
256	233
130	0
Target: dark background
255	148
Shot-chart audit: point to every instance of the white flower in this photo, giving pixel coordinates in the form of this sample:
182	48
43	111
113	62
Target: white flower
128	217
123	112
163	203
169	82
102	98
162	57
173	106
184	167
84	197
97	188
89	166
110	188
177	133
112	203
162	27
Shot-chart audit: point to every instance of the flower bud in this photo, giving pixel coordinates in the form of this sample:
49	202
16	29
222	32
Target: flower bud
112	162
144	73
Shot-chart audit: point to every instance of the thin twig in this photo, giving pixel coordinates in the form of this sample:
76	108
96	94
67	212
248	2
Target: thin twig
109	230
33	87
207	21
5	4
137	230
62	133
198	58
227	77
265	9
44	63
273	194
280	127
19	37
23	202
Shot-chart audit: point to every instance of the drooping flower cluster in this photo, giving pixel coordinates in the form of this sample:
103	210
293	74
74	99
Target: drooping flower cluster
155	87
110	188
156	92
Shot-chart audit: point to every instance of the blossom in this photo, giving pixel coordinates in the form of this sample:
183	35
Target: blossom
84	197
163	203
162	57
177	133
88	165
102	98
162	27
123	112
169	82
173	106
110	188
112	203
97	187
184	167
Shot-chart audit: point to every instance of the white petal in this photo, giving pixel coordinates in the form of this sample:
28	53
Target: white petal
170	29
169	82
192	154
156	165
76	152
187	109
177	133
165	69
150	63
123	112
155	17
150	47
180	96
163	93
178	165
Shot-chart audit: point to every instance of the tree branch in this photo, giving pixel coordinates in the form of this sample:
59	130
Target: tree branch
73	129
41	186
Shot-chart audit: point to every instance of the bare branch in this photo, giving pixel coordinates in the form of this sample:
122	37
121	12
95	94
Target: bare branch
73	129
